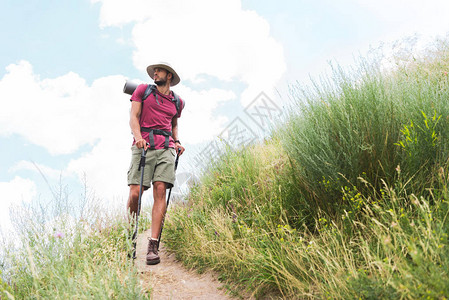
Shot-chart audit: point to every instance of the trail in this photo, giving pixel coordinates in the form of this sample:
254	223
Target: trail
171	280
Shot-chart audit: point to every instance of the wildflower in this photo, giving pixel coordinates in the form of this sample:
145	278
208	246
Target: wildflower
387	240
58	234
394	224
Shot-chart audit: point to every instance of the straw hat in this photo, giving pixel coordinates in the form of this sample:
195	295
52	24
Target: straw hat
175	80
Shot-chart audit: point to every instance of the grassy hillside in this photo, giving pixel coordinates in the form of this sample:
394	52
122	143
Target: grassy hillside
348	200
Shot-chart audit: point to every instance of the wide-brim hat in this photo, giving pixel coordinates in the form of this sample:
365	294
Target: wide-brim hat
175	80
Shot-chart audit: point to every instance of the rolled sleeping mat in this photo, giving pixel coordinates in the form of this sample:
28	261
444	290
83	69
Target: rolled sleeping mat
130	87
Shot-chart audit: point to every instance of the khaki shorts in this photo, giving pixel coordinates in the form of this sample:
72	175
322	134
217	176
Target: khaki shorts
159	166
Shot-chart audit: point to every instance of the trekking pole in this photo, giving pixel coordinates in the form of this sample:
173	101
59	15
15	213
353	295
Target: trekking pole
139	203
168	201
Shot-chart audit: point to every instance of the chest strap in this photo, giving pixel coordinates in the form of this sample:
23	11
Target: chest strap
152	132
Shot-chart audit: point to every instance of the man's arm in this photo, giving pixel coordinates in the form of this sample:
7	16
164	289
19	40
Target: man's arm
178	147
136	109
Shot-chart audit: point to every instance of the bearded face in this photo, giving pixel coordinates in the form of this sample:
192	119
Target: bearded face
161	76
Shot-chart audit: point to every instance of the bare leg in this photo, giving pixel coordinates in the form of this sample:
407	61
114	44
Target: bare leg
159	207
133	201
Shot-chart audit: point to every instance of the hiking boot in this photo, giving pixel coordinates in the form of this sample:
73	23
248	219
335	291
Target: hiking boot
152	253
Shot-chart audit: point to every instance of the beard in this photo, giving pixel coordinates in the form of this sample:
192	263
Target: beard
160	82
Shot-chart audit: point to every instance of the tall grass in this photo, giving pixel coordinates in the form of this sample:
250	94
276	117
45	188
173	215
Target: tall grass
67	256
348	200
367	122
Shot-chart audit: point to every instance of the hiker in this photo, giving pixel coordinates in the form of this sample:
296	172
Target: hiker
155	110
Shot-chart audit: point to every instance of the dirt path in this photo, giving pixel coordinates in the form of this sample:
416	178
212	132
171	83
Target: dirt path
171	280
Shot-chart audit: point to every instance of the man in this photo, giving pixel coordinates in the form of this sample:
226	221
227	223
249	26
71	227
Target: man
154	125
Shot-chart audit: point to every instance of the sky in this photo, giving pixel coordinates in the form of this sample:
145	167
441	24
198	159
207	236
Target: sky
64	118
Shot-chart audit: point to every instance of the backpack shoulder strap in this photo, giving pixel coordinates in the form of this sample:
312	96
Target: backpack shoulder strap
150	88
177	103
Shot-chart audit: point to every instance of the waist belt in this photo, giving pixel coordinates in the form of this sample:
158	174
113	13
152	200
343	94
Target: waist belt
152	132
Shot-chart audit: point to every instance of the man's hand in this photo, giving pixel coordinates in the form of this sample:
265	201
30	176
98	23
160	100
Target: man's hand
141	143
179	149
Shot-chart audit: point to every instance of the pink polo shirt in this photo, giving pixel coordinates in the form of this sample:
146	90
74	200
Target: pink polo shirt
157	113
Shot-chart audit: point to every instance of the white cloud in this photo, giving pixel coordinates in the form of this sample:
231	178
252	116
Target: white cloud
409	17
118	13
59	114
198	123
12	193
106	166
217	38
35	167
63	113
401	21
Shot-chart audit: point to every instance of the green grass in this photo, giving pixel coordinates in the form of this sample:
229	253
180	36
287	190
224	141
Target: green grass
67	257
367	124
349	199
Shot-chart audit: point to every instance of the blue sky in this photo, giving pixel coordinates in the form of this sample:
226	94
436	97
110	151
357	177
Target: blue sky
63	116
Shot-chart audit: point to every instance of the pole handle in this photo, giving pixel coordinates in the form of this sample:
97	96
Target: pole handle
142	158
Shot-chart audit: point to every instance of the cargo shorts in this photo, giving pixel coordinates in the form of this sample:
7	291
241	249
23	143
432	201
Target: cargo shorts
159	166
